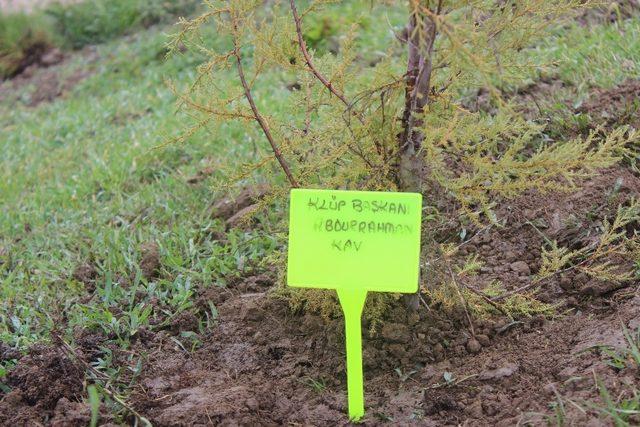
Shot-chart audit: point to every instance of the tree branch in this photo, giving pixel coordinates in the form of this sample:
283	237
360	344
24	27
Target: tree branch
309	61
261	121
326	83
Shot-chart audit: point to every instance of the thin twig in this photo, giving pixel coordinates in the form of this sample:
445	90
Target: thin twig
419	70
309	61
261	121
423	301
307	117
488	300
462	300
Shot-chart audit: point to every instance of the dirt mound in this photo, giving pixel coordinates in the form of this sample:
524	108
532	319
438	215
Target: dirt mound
234	211
46	79
35	54
573	220
615	107
264	366
38	382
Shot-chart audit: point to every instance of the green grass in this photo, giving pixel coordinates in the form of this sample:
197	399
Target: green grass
622	410
23	38
83	180
585	57
569	58
82	175
97	21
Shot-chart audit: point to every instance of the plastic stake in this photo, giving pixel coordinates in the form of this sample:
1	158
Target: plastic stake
352	302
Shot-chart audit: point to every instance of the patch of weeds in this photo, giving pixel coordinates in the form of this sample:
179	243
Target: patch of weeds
23	41
317	385
627	357
623	411
5	367
559	418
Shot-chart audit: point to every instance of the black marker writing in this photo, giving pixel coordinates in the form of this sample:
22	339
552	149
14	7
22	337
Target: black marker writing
332	204
376	206
365	227
346	245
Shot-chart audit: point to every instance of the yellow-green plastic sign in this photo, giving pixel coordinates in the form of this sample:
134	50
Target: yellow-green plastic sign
354	242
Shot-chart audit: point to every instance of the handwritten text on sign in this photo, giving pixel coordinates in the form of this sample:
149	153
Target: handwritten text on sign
354	239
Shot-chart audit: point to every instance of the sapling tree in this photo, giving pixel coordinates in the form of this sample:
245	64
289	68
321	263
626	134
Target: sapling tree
401	120
390	126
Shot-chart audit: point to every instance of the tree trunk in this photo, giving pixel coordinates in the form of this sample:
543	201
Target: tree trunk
421	33
411	168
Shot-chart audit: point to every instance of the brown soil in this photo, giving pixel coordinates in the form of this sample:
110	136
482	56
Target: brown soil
512	254
41	380
45	80
263	365
615	107
236	210
260	365
150	262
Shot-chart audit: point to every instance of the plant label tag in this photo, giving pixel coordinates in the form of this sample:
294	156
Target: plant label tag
354	242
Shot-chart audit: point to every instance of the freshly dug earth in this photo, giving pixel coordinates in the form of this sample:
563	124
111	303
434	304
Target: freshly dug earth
617	106
262	366
42	383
